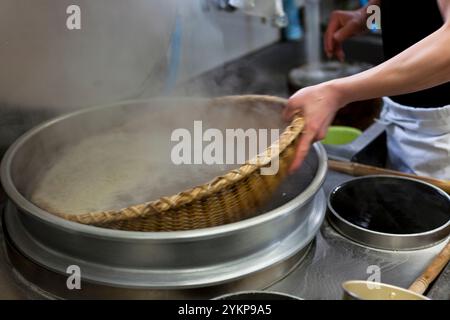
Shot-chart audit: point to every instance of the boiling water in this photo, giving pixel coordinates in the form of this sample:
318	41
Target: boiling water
131	163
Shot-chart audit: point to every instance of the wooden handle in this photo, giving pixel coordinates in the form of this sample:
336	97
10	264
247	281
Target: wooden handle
356	169
437	265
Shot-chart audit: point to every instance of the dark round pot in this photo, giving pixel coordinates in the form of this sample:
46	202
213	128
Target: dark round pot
390	212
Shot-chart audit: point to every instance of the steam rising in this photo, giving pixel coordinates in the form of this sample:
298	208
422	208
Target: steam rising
123	52
130	164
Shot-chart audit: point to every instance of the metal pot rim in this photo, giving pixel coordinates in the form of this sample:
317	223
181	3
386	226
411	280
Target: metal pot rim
281	294
22	202
338	219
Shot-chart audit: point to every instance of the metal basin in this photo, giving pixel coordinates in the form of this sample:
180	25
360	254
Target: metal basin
390	212
257	295
160	264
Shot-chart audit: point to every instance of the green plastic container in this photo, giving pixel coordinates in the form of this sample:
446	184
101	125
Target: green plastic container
338	135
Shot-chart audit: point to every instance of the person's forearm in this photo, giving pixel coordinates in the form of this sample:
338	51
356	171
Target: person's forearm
422	66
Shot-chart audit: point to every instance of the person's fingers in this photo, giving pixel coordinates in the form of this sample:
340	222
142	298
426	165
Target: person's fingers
329	43
293	107
347	31
322	133
289	113
306	139
339	53
340	36
325	47
285	112
333	26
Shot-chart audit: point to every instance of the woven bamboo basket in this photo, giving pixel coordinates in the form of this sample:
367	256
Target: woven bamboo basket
228	198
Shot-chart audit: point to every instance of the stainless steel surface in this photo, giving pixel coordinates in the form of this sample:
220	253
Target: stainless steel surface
335	259
146	263
164	260
389	241
332	260
40	282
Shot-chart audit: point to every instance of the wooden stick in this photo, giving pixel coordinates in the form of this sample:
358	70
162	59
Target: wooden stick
434	269
356	169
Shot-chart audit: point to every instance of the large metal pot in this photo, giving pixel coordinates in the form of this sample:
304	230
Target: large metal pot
164	264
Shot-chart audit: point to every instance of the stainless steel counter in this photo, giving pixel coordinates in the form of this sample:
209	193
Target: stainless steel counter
335	259
332	260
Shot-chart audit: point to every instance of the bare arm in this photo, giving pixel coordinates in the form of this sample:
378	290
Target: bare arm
444	5
424	65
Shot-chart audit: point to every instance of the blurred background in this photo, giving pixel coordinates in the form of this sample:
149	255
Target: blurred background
142	48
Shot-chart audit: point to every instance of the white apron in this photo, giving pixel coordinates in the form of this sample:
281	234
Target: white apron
418	139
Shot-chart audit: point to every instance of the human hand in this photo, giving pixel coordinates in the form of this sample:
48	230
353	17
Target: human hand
318	105
343	25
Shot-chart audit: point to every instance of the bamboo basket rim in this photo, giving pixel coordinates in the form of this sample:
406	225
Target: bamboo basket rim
185	197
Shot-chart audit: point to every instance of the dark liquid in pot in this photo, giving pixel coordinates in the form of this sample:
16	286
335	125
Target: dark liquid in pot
391	205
